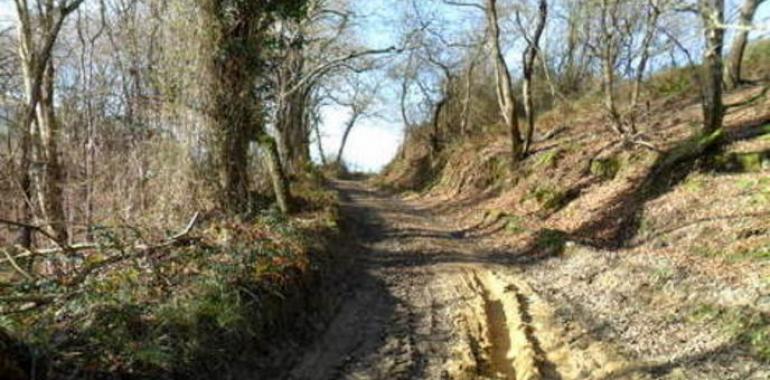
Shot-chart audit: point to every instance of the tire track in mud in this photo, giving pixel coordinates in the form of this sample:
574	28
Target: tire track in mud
428	305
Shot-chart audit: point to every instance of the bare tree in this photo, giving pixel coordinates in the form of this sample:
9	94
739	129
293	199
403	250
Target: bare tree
653	9
465	113
504	87
738	46
359	98
315	47
38	29
528	66
712	15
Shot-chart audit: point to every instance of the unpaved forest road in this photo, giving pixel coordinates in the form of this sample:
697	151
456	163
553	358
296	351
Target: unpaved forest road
430	304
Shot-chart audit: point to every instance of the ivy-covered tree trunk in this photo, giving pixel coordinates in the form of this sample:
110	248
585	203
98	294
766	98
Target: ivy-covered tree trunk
232	52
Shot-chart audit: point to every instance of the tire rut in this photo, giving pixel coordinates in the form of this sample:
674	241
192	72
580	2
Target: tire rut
427	305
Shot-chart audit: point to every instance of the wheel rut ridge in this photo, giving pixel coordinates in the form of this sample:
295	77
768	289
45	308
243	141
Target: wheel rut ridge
514	348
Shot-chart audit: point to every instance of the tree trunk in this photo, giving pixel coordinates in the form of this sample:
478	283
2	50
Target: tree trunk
653	12
294	144
505	97
51	180
712	12
404	115
37	71
530	54
435	136
738	46
608	56
232	55
348	127
319	142
466	106
25	233
528	112
277	175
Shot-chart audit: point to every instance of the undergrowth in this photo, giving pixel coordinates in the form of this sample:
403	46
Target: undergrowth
190	311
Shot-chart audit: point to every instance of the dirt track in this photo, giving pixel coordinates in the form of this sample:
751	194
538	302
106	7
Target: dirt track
429	303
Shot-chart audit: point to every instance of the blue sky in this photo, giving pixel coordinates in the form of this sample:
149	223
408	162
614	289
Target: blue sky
374	141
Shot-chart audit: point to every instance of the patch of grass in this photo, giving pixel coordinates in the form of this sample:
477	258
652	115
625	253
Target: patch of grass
549	197
514	225
760	191
694	184
606	168
498	169
760	253
704	313
705	251
662	275
548	159
749	327
749	162
756	253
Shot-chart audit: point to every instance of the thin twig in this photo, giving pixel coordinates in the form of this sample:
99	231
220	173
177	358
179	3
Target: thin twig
16	266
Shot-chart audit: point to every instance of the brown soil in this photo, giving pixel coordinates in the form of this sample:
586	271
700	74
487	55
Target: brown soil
431	304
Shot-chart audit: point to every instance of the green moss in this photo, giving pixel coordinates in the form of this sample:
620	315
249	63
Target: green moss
704	313
606	168
548	196
749	162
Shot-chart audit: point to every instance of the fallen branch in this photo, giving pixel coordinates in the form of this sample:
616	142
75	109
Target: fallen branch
39	229
139	248
16	266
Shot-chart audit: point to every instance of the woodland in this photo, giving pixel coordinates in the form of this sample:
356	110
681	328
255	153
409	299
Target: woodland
581	190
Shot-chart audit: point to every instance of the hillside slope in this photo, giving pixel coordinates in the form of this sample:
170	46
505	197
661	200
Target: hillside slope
662	253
